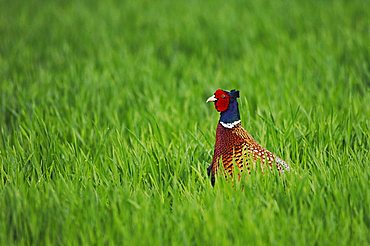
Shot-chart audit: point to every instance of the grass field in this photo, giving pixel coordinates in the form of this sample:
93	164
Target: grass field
106	136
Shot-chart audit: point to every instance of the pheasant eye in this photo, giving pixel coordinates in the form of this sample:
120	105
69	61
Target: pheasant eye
223	96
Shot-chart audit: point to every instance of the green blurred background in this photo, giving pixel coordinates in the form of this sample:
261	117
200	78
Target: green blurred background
106	136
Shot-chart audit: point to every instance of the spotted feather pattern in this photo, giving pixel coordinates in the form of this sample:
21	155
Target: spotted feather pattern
236	147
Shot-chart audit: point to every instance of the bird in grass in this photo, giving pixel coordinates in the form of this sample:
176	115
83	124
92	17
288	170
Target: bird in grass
234	145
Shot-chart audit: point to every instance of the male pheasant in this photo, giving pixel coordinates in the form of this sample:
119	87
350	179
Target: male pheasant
234	145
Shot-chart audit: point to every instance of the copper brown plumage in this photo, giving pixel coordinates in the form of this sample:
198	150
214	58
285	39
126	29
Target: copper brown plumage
234	145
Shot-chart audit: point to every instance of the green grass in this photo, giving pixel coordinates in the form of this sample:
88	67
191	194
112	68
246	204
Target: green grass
106	136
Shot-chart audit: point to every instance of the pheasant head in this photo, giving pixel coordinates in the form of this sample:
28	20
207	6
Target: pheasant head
226	103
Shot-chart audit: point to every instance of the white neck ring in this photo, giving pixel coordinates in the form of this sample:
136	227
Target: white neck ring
230	125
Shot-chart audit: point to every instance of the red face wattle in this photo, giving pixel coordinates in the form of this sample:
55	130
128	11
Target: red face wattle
223	99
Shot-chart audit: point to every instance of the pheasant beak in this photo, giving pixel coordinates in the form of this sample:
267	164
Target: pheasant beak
212	99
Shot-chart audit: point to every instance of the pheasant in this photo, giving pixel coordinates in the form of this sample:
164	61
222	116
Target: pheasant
234	145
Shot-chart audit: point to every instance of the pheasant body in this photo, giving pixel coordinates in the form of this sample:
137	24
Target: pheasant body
234	146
